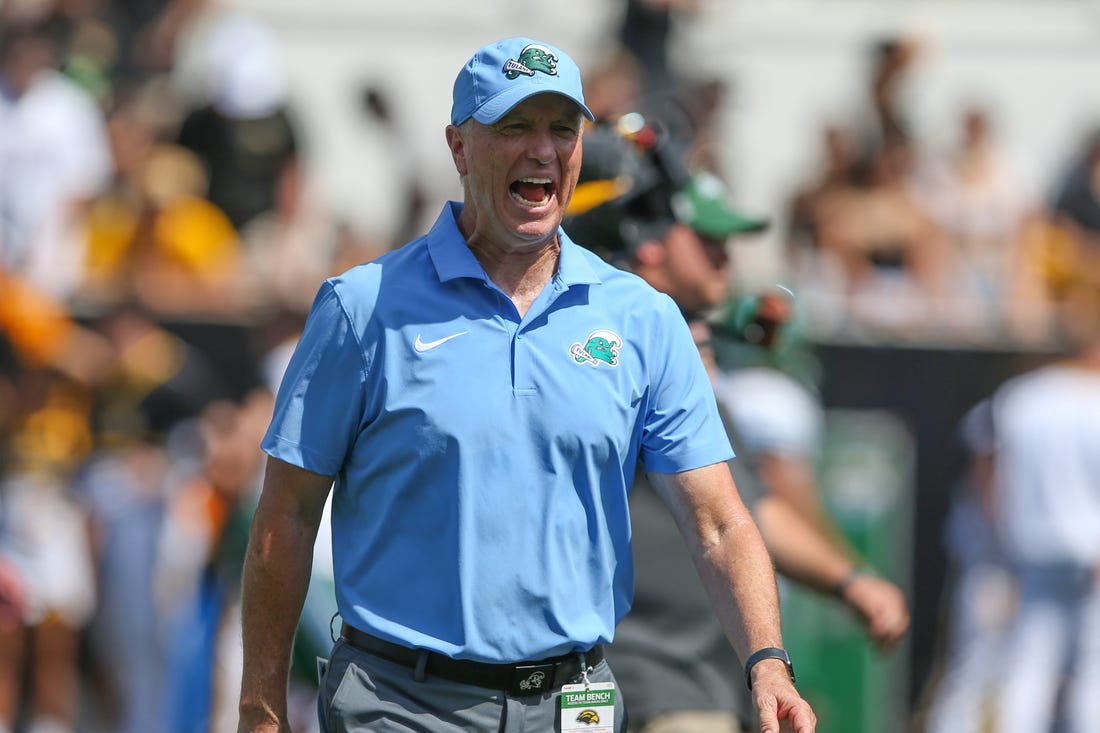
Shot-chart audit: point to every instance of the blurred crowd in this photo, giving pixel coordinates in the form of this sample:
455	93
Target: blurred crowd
132	209
129	206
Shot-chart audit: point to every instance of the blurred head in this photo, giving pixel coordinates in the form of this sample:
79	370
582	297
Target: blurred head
976	126
637	203
691	269
247	79
27	47
514	136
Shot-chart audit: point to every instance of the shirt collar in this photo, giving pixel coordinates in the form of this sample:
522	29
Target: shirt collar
453	259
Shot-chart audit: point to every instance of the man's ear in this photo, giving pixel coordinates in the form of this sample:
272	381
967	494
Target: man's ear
650	253
457	144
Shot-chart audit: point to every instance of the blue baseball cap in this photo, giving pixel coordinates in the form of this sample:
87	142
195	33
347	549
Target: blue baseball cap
503	74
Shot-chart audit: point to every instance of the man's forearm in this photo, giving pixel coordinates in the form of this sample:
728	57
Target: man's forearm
729	554
276	578
270	608
740	581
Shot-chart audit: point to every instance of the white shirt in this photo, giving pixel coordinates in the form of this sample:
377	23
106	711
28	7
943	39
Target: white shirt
1048	465
771	411
54	151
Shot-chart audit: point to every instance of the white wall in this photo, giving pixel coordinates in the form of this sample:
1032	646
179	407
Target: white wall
791	63
797	64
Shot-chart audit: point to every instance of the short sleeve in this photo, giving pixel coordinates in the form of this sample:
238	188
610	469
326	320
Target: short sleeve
319	405
683	429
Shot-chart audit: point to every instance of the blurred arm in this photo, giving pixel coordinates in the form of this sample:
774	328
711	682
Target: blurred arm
804	555
791	478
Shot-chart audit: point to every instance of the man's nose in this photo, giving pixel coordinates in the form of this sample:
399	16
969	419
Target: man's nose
542	147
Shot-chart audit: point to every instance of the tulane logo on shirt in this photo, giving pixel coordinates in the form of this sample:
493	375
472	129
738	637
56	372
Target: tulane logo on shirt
601	347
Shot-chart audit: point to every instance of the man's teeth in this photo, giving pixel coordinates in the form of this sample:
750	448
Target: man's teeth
529	202
536	181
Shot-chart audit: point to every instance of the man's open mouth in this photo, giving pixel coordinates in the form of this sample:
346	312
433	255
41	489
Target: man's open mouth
532	191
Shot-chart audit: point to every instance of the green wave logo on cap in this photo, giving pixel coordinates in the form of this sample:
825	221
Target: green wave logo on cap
531	59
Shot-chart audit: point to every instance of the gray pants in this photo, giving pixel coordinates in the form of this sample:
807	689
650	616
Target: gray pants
362	692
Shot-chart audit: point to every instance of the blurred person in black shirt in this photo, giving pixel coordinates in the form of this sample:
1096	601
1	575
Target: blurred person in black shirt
244	133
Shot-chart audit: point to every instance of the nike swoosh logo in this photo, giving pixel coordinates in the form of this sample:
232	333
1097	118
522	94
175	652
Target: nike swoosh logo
422	346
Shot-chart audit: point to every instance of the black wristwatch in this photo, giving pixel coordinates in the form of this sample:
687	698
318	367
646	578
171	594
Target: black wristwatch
768	652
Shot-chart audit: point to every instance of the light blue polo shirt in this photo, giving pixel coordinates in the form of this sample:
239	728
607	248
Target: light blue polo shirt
483	461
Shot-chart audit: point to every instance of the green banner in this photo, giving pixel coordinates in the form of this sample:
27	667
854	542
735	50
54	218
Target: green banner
866	478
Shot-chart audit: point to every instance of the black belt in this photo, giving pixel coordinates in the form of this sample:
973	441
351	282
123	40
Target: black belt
521	678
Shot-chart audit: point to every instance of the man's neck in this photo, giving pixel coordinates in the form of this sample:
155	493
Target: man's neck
521	275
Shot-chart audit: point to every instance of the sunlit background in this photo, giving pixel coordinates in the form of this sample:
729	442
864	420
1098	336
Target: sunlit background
147	299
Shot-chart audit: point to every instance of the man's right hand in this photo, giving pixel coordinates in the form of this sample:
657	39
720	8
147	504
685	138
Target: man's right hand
882	607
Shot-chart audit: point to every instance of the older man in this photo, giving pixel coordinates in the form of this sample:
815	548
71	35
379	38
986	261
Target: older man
481	398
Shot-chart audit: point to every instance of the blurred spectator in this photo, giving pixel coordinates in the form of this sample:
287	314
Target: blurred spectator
151	234
980	597
54	155
816	273
123	490
645	31
378	105
993	224
1076	200
1047	517
892	61
148	32
158	386
242	126
866	251
777	417
46	537
612	88
158	381
1071	259
90	55
113	215
200	556
242	130
767	386
42	334
886	255
157	239
639	76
